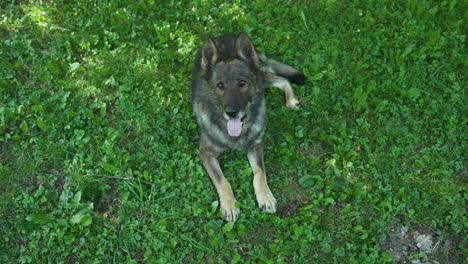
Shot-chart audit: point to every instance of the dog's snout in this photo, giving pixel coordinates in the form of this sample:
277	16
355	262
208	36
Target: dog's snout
232	110
232	113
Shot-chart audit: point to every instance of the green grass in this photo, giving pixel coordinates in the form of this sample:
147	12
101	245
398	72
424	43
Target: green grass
99	148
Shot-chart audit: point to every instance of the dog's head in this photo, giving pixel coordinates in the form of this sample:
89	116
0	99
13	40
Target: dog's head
234	78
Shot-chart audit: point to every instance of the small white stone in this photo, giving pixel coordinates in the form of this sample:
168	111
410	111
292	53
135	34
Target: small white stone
424	242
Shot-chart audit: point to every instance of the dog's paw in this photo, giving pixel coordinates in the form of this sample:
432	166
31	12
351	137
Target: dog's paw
267	202
230	212
292	102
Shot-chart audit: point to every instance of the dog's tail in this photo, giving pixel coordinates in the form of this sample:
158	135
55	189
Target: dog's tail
283	70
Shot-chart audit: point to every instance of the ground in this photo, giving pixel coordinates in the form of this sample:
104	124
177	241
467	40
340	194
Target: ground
99	149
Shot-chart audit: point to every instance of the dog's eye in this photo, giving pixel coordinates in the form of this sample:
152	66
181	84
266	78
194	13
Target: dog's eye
220	85
242	83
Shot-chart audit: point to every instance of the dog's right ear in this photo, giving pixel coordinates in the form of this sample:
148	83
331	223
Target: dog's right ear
210	54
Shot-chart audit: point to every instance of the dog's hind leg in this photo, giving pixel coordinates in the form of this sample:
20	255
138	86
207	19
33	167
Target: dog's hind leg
265	199
226	196
280	75
285	85
283	70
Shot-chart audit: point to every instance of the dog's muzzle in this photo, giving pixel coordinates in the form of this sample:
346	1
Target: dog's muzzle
234	123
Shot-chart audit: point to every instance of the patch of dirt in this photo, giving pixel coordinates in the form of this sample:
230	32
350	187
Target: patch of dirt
296	197
418	245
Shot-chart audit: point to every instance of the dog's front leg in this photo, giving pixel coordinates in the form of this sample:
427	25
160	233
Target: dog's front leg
266	200
226	196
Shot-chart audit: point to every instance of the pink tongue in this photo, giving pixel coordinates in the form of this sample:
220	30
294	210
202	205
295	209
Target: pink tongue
234	127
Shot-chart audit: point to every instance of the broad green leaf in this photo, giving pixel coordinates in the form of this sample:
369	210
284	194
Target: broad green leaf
86	220
74	67
317	76
414	93
77	197
108	167
24	127
228	227
40	123
40	219
69	238
306	181
387	257
76	218
329	200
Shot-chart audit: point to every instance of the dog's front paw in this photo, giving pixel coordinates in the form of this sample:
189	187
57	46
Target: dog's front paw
266	201
229	210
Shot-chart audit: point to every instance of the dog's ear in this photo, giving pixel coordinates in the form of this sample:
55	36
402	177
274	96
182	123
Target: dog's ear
210	54
245	50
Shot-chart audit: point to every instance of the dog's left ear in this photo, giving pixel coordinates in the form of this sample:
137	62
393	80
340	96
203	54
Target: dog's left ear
245	50
210	54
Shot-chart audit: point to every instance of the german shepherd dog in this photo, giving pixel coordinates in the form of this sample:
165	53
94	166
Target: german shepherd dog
228	98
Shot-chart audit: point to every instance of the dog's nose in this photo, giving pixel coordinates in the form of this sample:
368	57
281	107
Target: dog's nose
232	113
232	110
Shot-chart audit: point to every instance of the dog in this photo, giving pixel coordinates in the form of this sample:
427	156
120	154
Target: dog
228	100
